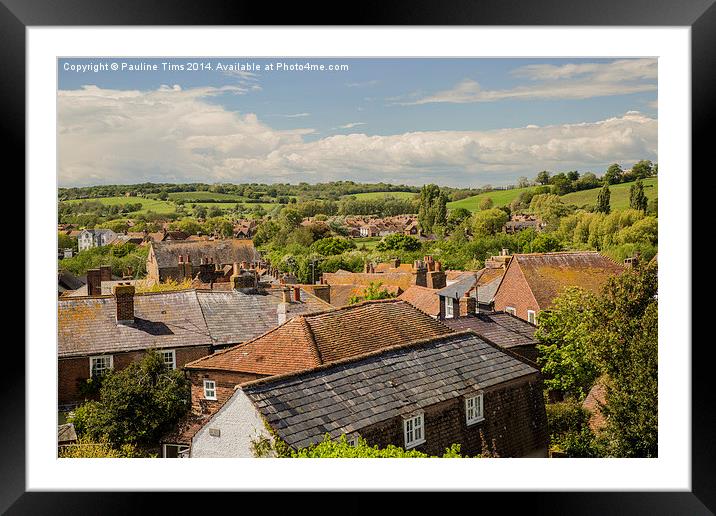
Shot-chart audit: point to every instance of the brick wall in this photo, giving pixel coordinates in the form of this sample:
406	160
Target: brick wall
514	291
515	418
225	383
70	370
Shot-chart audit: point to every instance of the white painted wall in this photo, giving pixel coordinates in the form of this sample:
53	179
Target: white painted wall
238	422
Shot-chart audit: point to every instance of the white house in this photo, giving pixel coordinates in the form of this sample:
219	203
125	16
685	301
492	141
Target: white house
89	238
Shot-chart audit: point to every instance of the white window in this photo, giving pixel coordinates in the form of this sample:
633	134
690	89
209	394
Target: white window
473	409
176	451
209	389
531	316
352	439
100	365
448	308
414	431
169	358
510	310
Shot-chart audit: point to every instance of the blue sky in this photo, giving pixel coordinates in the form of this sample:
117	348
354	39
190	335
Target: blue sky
460	122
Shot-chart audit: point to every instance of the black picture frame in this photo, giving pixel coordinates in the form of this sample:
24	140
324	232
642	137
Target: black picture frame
700	15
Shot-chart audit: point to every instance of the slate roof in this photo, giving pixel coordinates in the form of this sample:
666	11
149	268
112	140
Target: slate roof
87	326
487	282
349	395
548	273
310	340
221	251
68	281
66	433
423	298
501	328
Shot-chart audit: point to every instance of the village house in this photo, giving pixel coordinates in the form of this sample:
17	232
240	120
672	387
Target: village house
519	222
163	258
101	332
89	238
532	281
245	229
393	276
423	395
303	342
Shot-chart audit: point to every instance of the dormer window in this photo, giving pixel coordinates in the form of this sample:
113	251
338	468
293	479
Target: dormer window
448	308
474	409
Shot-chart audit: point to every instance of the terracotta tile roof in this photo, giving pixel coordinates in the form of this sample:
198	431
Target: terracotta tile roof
403	280
352	394
423	298
311	340
548	273
594	402
341	294
221	251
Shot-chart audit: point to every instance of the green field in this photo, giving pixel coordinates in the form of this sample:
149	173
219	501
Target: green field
619	198
147	204
369	242
200	196
499	198
378	195
230	205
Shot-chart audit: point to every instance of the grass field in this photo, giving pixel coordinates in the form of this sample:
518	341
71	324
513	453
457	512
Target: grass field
377	195
369	242
199	196
499	198
619	198
230	205
147	204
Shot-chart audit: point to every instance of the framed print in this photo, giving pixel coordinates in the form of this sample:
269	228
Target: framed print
223	187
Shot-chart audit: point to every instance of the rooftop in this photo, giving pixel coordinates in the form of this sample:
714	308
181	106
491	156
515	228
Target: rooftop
501	328
349	395
222	252
312	340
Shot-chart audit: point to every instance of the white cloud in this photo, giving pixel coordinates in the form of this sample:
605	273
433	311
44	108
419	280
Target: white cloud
295	115
350	125
364	84
170	134
568	81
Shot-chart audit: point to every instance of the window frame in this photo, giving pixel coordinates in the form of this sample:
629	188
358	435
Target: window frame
100	357
206	397
448	302
534	316
174	357
476	418
412	419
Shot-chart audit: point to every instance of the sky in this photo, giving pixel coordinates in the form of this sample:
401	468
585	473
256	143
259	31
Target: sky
455	122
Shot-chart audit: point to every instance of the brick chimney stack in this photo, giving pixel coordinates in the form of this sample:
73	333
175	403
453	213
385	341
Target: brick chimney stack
286	294
124	297
296	294
468	305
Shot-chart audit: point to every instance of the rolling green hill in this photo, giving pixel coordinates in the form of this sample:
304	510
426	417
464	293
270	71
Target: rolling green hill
499	198
147	204
377	195
619	198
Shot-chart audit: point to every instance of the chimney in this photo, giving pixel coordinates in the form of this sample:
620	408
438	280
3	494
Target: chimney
188	270
281	310
286	294
124	296
421	274
395	263
468	305
504	252
296	294
436	279
94	284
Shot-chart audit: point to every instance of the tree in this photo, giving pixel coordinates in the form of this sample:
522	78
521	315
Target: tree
290	218
332	246
136	405
637	197
219	226
603	200
398	242
613	175
85	448
432	208
642	169
199	211
370	293
488	222
623	343
457	217
543	178
563	343
523	182
486	203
